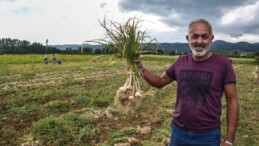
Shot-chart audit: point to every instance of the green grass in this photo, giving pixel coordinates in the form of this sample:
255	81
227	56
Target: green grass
67	104
244	61
28	59
18	111
56	105
53	131
82	100
122	135
161	134
66	129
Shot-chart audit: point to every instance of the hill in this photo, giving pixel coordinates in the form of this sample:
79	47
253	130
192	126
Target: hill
76	46
241	46
217	45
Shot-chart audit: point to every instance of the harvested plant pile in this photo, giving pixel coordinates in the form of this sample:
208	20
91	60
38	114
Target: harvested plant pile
125	40
130	94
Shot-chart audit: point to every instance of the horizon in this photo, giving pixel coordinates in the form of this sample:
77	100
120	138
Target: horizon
186	42
167	42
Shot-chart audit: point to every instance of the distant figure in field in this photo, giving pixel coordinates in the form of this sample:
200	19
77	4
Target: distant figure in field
60	61
53	59
94	60
45	59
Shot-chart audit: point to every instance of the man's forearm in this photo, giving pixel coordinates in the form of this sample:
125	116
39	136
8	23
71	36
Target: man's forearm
152	79
232	119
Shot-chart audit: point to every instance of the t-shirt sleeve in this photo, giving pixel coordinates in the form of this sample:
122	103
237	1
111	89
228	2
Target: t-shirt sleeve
171	70
230	77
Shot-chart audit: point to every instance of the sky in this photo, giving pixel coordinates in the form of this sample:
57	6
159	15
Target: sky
76	21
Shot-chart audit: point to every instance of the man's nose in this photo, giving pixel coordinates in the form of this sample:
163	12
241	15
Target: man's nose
199	40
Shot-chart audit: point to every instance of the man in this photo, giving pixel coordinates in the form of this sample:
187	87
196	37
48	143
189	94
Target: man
53	59
202	77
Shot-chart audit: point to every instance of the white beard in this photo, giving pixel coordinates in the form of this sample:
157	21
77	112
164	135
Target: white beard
199	53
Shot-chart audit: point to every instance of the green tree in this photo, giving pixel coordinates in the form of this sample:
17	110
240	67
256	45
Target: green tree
97	51
86	50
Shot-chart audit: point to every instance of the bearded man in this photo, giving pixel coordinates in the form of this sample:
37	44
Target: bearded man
202	77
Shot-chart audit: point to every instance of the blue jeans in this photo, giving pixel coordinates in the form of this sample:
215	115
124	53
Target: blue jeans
181	137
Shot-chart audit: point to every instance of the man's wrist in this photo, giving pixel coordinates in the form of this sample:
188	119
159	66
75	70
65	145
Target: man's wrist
228	143
143	71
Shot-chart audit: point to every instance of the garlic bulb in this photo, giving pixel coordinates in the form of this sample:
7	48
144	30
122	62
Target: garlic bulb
131	97
138	94
123	89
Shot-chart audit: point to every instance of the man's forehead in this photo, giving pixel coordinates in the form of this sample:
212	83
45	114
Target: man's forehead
199	32
199	28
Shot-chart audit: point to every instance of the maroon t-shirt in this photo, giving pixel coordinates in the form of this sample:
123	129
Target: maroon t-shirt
199	91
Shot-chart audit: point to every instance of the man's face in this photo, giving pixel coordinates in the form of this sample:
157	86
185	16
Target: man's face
199	39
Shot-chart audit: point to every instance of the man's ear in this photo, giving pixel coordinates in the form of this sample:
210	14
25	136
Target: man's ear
212	37
187	37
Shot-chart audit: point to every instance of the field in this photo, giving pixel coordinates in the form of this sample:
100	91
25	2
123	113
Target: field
73	103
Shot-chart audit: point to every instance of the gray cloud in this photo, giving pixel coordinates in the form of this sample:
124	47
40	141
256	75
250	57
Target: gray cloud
187	10
236	34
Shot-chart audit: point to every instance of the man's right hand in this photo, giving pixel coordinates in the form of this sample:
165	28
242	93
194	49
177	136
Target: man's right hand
140	66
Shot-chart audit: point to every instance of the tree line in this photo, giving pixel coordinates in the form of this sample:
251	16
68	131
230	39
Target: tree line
16	46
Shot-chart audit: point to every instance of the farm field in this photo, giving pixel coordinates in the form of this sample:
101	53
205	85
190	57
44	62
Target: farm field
73	103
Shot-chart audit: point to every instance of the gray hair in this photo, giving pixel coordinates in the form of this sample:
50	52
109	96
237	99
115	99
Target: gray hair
201	20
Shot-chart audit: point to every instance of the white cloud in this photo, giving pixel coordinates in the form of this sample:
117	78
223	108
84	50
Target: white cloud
62	21
241	15
67	21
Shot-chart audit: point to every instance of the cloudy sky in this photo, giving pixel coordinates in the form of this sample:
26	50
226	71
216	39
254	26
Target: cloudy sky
74	21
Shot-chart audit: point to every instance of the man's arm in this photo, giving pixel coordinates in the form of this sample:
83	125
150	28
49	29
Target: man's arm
153	79
232	111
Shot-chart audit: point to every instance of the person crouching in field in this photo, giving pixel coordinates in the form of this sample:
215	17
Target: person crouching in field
202	77
45	59
60	61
